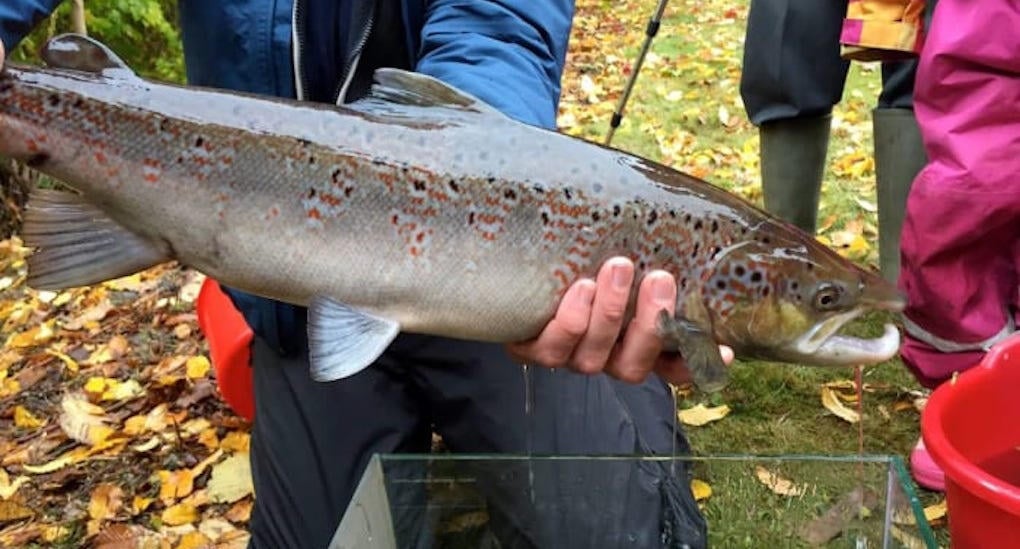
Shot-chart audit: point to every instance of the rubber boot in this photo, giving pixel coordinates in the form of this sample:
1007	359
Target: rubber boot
899	156
793	153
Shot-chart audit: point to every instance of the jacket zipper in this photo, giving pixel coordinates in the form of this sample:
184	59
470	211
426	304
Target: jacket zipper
297	50
338	98
297	37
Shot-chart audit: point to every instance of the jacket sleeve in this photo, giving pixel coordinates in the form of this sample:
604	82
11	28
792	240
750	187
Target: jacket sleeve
18	17
507	53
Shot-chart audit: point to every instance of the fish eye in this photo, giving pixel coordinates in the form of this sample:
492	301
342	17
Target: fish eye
827	297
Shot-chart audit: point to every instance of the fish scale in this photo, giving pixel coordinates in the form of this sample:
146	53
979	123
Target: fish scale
417	209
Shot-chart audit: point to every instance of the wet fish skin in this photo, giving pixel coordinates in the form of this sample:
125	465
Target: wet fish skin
419	208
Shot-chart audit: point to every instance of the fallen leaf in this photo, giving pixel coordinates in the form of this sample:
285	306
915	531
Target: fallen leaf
209	439
55	533
182	331
238	539
140	504
231	479
89	316
236	441
179	514
935	511
20	535
834	405
240	512
11	510
106	500
777	484
908	541
101	388
700	415
174	485
69	362
9	487
216	528
197	366
194	540
154	421
24	419
125	536
700	489
83	421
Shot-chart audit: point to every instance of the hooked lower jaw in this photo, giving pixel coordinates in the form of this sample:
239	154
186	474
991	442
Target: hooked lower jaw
823	346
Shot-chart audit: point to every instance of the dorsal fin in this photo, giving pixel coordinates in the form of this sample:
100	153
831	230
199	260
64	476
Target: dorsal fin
81	53
406	94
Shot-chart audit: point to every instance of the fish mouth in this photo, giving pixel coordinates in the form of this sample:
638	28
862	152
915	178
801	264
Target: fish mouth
824	346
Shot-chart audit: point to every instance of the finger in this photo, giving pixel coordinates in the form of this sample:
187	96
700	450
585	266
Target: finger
555	344
1	53
612	294
641	346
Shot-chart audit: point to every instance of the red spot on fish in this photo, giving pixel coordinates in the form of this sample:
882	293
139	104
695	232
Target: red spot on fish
420	237
395	219
415	251
313	213
274	211
100	157
31	145
564	281
330	200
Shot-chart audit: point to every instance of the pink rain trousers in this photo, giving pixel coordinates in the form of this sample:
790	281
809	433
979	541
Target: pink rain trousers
961	234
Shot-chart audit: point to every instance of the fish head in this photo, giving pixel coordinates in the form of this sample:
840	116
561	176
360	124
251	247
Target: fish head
786	296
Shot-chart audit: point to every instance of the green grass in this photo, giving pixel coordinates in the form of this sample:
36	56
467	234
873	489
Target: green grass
674	117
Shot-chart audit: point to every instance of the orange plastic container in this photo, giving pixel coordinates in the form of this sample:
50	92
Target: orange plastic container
971	427
229	337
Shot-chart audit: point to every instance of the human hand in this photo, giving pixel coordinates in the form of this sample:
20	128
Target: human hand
1	53
584	336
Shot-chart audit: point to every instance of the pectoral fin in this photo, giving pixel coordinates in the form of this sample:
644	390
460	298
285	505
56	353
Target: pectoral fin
700	351
342	340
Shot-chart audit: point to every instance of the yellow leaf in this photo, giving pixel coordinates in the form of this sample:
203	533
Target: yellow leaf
9	487
236	441
11	511
194	540
65	459
95	385
175	484
216	528
777	484
106	500
179	514
700	489
834	405
700	415
69	362
197	366
122	390
209	439
240	512
24	419
231	479
55	533
935	512
33	336
155	421
140	504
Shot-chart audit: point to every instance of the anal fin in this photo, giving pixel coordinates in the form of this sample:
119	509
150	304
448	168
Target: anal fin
342	340
79	245
700	351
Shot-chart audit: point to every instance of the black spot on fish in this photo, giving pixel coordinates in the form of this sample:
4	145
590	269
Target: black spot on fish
595	216
348	190
311	160
311	193
641	265
567	194
164	124
756	276
538	188
304	142
657	248
672	213
471	218
715	251
794	285
378	161
739	270
491	180
53	99
545	218
715	225
687	219
180	160
335	176
510	194
652	217
721	284
199	141
79	103
683	283
616	210
765	240
697	225
419	185
743	230
765	291
694	252
454	186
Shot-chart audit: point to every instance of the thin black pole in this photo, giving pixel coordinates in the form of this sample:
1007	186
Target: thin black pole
650	31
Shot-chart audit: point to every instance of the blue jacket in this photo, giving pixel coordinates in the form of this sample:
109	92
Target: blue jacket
508	53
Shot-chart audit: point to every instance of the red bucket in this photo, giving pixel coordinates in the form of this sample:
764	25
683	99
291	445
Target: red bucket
971	427
229	337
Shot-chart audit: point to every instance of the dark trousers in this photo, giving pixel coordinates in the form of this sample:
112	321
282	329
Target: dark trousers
311	442
792	67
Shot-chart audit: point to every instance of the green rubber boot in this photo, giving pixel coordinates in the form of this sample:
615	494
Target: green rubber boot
899	156
793	153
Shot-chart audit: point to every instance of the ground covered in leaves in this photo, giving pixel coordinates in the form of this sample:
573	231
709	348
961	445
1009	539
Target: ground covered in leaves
112	432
